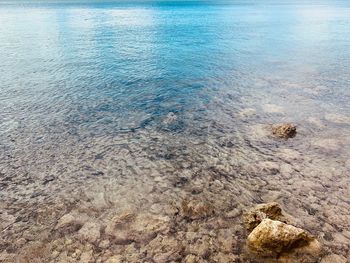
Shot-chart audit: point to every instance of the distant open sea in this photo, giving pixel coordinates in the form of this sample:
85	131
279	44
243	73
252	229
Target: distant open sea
138	105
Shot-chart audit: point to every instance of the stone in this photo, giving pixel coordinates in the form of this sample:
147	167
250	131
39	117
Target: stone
115	259
68	242
338	118
333	258
191	259
21	241
233	213
272	238
226	240
269	167
69	223
97	200
330	144
285	131
123	237
259	131
146	227
247	112
90	232
104	244
194	209
78	252
170	118
225	258
289	154
55	254
201	248
48	179
164	249
6	257
316	122
254	216
127	228
87	257
272	108
347	164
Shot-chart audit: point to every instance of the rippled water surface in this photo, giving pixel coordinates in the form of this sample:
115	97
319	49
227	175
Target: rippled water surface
135	109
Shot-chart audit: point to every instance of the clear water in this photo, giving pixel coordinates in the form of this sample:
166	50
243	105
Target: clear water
112	107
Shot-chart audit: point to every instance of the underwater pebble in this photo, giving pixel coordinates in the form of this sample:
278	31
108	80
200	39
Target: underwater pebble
90	232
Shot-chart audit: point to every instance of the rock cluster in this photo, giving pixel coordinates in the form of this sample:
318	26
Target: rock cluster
270	237
285	131
254	216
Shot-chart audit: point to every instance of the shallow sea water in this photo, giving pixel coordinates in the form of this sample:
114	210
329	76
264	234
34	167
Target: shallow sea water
133	111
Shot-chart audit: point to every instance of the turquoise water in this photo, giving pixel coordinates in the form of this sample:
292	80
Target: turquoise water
76	64
107	107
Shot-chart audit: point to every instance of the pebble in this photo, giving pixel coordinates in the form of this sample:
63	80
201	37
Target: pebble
333	258
90	232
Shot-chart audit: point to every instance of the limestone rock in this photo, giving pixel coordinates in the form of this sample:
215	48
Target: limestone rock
285	131
272	238
90	232
254	216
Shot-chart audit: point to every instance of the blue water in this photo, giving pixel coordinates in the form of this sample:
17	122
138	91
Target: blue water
114	106
82	64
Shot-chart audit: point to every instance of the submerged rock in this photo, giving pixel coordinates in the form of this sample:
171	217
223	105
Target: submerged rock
170	118
70	222
128	227
172	122
328	144
115	259
285	131
272	238
254	216
272	108
90	232
196	209
191	259
338	118
333	258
